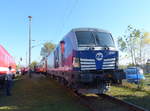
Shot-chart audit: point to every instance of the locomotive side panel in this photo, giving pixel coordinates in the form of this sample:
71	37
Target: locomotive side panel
68	52
60	60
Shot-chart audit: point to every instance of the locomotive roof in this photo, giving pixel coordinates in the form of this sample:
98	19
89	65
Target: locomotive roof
89	29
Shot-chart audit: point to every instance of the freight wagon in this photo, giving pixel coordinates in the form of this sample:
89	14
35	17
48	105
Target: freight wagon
6	60
86	60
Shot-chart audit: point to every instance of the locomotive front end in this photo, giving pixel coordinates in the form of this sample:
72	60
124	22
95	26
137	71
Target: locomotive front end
96	60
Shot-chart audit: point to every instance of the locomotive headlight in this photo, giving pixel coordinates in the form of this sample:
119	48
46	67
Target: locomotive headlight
76	62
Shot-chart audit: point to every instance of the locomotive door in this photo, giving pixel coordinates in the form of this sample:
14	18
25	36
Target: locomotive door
56	57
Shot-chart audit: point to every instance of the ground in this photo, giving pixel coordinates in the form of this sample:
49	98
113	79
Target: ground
132	95
39	94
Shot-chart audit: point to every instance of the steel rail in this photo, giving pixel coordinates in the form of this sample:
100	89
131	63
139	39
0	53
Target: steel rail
85	101
128	105
131	106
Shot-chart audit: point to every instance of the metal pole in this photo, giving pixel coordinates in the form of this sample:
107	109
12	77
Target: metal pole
29	71
26	59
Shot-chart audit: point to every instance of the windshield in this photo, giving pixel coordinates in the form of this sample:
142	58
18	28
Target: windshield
102	39
85	38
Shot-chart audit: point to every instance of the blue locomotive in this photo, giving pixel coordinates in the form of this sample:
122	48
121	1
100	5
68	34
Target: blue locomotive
86	60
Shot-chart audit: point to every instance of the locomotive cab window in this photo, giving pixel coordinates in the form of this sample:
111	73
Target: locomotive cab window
104	39
101	39
85	38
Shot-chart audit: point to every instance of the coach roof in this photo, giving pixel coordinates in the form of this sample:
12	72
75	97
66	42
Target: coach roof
89	29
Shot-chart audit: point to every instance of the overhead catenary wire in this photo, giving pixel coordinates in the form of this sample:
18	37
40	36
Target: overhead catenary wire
66	17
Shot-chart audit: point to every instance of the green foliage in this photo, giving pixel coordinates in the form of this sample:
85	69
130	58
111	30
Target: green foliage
33	64
132	44
137	97
122	66
129	85
148	74
147	37
122	44
47	48
136	87
18	66
141	85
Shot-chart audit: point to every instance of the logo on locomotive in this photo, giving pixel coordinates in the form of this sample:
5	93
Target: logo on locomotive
99	56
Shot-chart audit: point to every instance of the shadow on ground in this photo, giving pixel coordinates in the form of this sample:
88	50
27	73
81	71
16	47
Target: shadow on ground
39	94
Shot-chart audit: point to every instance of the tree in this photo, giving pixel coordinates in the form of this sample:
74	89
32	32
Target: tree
147	38
33	64
132	44
47	48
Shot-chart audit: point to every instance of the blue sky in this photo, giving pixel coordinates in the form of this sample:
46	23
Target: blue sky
52	19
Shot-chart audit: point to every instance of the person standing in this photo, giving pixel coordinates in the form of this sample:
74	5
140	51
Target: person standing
9	81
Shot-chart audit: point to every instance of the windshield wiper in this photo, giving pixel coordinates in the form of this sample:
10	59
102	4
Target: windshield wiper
106	47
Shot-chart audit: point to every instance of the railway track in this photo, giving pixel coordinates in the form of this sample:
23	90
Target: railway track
130	106
105	102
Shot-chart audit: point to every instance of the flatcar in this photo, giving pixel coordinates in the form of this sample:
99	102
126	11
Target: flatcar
6	60
86	60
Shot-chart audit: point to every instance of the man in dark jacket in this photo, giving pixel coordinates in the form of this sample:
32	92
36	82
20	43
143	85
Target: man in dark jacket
9	81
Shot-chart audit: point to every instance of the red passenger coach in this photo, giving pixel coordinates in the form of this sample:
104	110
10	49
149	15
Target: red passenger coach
6	60
42	66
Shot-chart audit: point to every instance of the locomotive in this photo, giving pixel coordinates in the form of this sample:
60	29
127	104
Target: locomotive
86	60
6	60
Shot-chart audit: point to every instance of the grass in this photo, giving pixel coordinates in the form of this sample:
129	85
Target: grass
131	94
147	81
43	94
139	95
147	74
39	94
142	86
